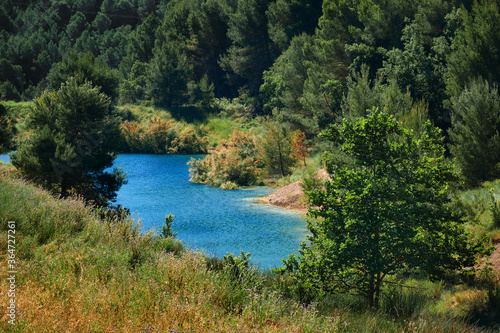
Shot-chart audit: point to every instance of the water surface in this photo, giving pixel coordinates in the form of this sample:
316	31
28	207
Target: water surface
206	218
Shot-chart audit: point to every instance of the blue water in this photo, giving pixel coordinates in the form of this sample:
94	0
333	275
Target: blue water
207	219
4	158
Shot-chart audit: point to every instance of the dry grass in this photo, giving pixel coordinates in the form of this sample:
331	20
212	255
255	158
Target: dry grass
80	273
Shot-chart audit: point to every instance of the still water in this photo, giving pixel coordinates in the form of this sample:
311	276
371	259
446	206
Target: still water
207	219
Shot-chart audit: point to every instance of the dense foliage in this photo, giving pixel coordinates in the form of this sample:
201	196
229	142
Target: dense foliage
390	213
315	63
6	129
233	163
72	140
475	136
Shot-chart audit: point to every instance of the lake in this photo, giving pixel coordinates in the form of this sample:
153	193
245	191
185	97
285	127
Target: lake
208	219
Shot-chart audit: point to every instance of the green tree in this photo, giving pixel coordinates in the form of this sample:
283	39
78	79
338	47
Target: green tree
475	48
289	18
475	132
84	67
77	24
166	229
418	70
277	148
284	83
251	52
13	80
73	138
140	44
168	75
208	41
364	94
387	214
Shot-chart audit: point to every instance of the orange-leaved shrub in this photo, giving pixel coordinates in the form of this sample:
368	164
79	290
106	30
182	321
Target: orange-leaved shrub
160	136
187	140
233	163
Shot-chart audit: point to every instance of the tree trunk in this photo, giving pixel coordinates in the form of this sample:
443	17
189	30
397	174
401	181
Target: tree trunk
371	292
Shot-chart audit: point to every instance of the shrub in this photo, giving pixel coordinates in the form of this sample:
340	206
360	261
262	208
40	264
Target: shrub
160	136
187	141
232	163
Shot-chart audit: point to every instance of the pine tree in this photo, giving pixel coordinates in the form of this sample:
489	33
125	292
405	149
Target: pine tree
251	52
475	48
475	132
277	148
73	140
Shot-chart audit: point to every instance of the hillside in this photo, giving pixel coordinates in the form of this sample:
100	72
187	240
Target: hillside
73	263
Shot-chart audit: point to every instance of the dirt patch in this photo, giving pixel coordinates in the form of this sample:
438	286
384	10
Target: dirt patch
291	196
494	260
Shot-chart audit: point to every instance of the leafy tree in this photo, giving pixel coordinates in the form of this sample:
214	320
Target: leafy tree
475	132
73	136
388	214
277	148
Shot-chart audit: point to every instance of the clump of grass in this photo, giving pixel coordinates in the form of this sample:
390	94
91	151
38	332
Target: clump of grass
481	208
408	300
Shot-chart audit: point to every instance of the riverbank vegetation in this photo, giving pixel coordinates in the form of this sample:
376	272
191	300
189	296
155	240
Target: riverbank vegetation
74	261
258	86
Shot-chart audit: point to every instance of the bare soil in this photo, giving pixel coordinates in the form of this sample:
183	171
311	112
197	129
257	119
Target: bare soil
494	260
292	197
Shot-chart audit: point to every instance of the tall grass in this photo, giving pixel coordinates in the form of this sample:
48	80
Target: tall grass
481	207
80	270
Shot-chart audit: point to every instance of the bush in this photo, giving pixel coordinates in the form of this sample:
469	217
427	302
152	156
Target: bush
234	162
160	136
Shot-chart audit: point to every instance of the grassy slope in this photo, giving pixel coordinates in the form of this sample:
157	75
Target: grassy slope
80	273
77	272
